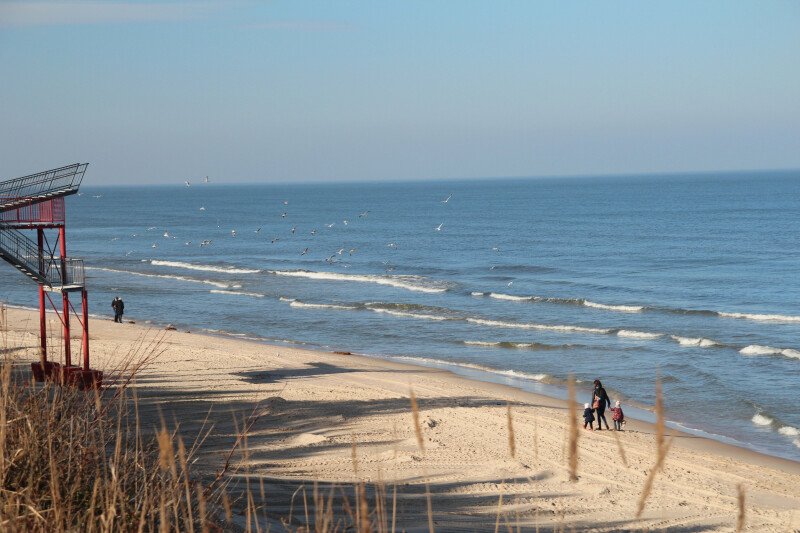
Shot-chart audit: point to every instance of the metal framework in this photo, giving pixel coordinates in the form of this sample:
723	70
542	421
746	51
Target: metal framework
36	202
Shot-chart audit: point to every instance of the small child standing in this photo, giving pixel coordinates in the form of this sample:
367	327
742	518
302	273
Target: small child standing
588	416
617	416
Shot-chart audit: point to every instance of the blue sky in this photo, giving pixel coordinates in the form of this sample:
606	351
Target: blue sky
159	92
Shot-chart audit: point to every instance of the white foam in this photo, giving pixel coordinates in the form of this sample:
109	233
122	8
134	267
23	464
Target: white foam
304	305
511	297
285	299
481	343
544	327
476	293
755	349
205	268
163	276
237	293
762	317
796	442
692	341
761	420
789	431
473	366
411	283
404	314
620	308
631	334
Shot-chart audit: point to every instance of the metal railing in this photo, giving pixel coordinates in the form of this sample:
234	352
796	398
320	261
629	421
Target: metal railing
23	253
31	189
47	212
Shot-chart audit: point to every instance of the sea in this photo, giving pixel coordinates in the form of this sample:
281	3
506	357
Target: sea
693	280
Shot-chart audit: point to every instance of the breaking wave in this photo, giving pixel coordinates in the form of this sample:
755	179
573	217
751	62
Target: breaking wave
410	283
204	268
521	345
544	327
761	317
620	308
631	334
755	349
237	293
565	301
219	284
303	305
473	366
762	420
692	341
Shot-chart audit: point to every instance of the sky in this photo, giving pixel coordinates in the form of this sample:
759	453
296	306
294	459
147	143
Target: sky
289	91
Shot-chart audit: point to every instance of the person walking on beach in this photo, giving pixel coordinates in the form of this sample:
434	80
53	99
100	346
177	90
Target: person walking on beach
617	416
119	307
600	401
588	417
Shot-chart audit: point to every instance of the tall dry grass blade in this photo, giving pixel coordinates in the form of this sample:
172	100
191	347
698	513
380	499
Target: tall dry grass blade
740	516
512	443
662	448
572	447
354	456
620	449
417	426
421	444
499	509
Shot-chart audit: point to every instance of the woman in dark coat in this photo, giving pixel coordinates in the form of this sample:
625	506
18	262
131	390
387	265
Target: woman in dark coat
600	401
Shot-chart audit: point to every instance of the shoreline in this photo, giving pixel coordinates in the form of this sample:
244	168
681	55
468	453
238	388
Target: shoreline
323	409
634	410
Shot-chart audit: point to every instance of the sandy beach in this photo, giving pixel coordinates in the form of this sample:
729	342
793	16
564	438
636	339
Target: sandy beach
315	405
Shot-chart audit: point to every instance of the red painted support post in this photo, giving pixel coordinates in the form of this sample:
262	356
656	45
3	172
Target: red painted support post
62	234
42	314
85	308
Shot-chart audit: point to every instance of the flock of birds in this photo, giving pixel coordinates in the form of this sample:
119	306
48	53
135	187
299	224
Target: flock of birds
332	258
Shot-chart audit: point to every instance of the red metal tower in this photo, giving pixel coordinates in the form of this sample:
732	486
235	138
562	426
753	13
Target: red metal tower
36	202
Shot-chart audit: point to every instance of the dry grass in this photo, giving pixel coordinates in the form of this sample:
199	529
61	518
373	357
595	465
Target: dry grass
572	446
740	516
662	448
512	442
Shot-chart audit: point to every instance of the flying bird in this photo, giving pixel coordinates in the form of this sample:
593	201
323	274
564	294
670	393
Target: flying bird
363	215
304	252
258	230
205	180
187	183
447	199
294	228
233	233
202	208
439	227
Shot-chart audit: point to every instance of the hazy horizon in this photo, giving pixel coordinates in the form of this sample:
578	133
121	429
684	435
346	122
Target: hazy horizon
164	91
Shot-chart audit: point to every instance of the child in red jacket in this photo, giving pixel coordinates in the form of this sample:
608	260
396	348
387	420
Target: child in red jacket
617	416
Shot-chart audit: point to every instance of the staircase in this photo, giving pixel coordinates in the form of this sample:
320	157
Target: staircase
23	253
42	186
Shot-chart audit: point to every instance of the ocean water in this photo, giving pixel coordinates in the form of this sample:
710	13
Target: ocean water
694	278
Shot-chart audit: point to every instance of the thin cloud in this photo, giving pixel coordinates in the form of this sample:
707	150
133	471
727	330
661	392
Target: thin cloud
52	13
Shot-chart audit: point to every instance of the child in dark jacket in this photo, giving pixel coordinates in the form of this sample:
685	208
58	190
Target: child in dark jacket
617	416
588	416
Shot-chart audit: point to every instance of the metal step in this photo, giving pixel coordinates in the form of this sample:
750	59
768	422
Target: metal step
24	255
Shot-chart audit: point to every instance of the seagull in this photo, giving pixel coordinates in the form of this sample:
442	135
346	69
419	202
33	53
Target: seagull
129	253
392	245
294	228
447	199
205	180
187	243
258	230
510	283
166	235
331	259
352	251
439	227
363	215
283	215
276	239
304	252
134	235
286	202
330	225
344	222
205	242
340	251
154	245
187	183
233	233
202	208
313	232
495	248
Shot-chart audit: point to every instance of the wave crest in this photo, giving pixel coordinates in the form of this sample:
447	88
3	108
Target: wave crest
410	283
756	349
204	268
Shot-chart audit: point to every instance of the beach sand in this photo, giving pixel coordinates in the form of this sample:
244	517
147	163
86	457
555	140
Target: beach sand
315	405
